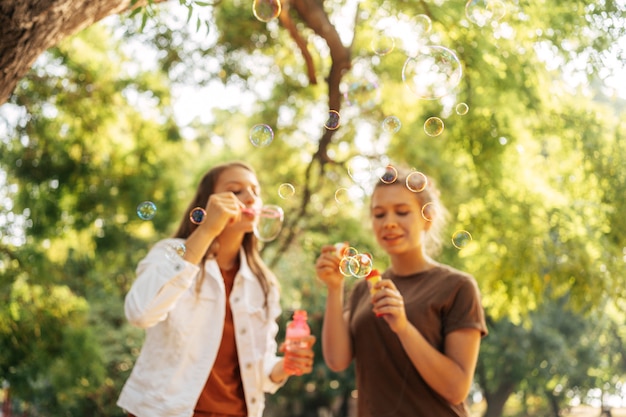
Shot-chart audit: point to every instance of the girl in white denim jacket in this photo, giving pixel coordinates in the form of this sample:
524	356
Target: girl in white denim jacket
206	354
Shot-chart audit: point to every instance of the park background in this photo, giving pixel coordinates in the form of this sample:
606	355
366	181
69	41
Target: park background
136	106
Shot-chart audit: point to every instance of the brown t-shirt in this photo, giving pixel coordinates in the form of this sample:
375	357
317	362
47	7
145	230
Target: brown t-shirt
437	302
223	395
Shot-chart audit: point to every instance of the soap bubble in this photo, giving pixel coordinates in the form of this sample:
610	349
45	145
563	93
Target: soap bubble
482	12
361	266
382	44
416	181
462	109
286	191
389	175
347	264
333	121
360	169
363	93
422	24
461	238
432	73
261	135
269	225
428	211
391	124
146	210
433	126
266	10
175	251
342	196
197	215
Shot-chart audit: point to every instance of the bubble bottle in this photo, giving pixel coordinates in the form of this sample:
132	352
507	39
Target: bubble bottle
373	277
297	329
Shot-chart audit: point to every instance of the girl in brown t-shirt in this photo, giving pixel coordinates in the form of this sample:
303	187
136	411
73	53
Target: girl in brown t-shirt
415	334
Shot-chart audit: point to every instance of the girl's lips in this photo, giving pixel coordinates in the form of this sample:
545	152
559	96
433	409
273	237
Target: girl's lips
392	237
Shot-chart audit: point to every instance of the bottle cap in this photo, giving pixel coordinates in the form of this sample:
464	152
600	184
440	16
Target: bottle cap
302	314
373	273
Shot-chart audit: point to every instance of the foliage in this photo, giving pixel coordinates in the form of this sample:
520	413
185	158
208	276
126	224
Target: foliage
533	171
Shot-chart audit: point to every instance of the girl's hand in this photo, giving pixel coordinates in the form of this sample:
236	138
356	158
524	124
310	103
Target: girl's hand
299	357
389	304
222	209
327	267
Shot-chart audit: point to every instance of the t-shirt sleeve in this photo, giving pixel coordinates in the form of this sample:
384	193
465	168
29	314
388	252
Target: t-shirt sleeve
465	309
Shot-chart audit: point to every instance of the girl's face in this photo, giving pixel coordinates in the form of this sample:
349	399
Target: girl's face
244	184
397	219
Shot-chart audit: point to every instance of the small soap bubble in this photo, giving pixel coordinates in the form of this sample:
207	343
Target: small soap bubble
428	211
342	196
391	124
422	24
432	73
461	238
146	210
197	215
268	227
433	126
175	251
462	109
382	44
363	93
360	169
261	135
390	175
347	265
286	191
361	266
266	10
334	120
416	181
482	12
348	252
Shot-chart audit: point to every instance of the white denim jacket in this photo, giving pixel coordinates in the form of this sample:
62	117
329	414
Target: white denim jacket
184	331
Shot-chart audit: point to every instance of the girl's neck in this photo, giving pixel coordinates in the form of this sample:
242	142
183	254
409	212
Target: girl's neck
227	256
409	264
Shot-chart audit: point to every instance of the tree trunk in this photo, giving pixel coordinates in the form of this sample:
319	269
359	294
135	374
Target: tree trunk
496	400
30	27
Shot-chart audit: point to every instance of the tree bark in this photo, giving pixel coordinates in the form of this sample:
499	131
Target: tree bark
496	400
30	27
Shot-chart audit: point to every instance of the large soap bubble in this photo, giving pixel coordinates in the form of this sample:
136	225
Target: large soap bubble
432	73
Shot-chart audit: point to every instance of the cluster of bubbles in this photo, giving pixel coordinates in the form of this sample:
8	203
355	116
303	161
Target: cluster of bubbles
353	263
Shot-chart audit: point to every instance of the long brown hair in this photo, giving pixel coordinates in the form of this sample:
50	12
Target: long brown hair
250	243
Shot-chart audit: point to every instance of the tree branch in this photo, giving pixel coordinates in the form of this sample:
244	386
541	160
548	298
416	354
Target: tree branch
30	27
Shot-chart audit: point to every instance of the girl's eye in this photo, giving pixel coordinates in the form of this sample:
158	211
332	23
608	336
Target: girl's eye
402	213
379	215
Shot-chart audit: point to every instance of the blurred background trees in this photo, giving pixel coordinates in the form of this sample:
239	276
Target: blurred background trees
135	109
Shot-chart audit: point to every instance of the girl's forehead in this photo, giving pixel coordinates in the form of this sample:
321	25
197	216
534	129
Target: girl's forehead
392	194
238	175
